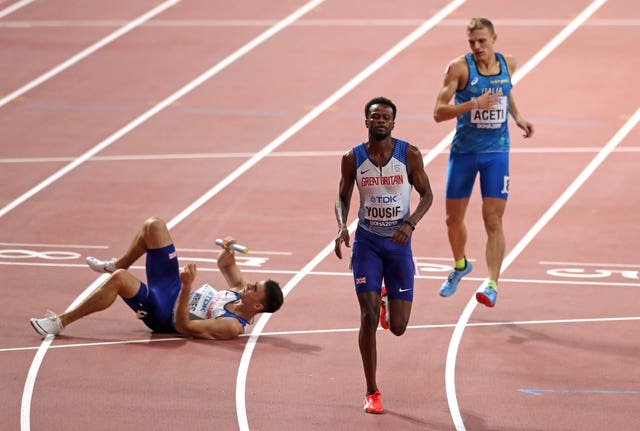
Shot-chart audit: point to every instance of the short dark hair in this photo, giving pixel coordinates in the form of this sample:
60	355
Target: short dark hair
380	101
478	23
273	297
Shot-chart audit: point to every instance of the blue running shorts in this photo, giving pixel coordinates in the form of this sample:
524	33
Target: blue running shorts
154	303
463	168
375	258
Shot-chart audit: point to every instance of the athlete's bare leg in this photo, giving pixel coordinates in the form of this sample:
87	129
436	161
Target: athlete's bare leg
369	316
153	234
456	229
492	212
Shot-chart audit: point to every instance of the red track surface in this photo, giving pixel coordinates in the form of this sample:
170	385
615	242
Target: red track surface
544	334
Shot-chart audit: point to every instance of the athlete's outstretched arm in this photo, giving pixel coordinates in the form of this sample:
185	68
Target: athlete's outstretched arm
228	267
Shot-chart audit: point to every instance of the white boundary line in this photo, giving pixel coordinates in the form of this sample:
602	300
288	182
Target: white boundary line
336	331
602	282
14	7
88	51
293	154
456	337
25	409
458	23
241	408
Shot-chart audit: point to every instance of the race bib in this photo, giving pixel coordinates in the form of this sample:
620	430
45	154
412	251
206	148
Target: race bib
490	118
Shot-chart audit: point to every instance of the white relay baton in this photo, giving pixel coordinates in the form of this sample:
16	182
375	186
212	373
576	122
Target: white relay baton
233	246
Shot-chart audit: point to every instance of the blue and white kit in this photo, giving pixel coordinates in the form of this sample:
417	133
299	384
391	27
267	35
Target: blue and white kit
156	300
385	193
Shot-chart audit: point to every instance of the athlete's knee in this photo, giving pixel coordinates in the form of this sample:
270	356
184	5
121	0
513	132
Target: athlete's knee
397	328
122	281
369	317
154	224
454	221
119	276
492	223
155	229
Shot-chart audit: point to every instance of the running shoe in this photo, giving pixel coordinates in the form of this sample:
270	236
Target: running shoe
50	324
487	296
372	403
102	266
451	284
384	309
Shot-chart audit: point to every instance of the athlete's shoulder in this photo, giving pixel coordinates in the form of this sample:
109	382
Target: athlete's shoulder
349	154
511	62
413	151
457	66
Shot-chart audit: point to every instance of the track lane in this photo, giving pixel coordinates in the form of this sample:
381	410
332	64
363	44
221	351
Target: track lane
311	345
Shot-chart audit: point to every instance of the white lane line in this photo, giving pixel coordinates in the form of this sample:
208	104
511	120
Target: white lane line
243	369
300	154
457	23
252	270
14	7
165	103
336	331
456	337
21	244
597	264
88	51
25	410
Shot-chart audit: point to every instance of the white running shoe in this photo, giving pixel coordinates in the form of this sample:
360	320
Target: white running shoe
103	266
50	324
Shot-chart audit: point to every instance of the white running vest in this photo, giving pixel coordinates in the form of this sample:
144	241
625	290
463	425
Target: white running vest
208	303
385	192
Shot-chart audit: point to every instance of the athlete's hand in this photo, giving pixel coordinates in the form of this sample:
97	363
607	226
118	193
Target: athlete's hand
343	236
188	275
527	127
488	100
401	234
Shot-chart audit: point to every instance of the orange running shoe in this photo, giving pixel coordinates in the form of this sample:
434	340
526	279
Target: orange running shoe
372	403
384	312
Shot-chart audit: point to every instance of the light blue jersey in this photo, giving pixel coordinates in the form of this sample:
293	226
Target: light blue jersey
483	130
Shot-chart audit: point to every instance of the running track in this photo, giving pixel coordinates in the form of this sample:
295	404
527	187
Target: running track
229	118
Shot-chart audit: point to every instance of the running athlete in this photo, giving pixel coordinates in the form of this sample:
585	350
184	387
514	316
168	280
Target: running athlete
481	82
166	303
384	169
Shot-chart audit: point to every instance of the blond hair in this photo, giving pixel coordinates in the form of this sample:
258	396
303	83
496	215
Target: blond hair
478	23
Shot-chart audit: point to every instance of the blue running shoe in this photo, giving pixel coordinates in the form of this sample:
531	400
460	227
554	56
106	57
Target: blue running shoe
487	296
449	287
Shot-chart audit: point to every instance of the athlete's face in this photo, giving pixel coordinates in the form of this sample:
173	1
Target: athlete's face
380	121
254	293
481	43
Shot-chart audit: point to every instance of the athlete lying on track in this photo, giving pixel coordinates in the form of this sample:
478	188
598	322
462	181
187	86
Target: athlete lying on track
166	303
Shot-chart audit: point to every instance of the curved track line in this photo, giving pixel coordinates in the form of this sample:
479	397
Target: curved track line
241	408
25	409
164	104
456	337
88	51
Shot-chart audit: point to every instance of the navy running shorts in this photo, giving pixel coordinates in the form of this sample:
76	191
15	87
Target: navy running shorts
155	301
375	259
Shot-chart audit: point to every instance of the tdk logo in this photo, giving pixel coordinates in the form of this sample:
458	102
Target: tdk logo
384	199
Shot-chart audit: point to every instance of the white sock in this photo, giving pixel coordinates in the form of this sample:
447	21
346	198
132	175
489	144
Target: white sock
103	266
